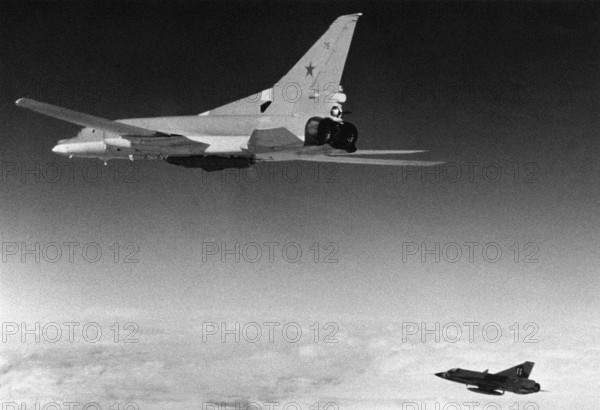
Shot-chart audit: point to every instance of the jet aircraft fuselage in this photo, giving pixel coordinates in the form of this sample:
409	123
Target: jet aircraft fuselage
515	380
222	133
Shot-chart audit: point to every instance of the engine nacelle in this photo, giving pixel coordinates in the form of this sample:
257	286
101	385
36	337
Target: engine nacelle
338	134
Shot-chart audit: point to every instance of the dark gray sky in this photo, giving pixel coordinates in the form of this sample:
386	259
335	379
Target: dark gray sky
506	93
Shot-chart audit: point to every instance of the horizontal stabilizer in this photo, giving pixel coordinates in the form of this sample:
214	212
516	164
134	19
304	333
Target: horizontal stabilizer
377	152
338	159
86	120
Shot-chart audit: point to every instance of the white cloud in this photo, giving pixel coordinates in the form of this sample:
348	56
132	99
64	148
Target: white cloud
368	367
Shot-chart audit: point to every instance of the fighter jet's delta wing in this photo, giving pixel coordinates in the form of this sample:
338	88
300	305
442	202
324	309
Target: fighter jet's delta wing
297	119
516	380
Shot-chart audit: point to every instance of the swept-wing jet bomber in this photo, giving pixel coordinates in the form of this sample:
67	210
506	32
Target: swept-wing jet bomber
516	380
298	119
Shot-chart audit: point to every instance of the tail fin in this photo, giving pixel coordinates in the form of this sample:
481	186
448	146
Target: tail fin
320	69
312	86
521	371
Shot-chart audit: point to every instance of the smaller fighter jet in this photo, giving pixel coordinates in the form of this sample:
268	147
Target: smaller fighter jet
516	380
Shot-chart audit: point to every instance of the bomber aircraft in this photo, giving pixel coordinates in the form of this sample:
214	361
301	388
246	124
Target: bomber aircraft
297	119
516	380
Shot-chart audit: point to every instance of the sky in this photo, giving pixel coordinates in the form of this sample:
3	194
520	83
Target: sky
376	274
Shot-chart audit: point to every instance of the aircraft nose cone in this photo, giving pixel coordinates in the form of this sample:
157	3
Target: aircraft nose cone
441	374
60	149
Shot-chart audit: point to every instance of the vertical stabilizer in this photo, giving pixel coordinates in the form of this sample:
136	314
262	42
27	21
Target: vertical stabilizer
521	371
312	86
319	71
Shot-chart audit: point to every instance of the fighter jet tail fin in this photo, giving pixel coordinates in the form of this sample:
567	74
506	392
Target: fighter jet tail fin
521	371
